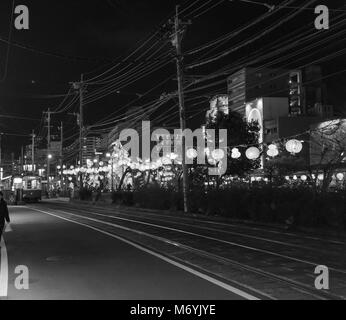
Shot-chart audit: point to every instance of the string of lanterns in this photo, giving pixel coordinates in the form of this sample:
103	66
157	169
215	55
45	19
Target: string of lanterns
320	177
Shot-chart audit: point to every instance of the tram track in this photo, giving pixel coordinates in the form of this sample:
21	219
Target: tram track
144	230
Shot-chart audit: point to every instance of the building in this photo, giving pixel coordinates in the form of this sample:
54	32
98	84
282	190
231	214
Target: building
250	83
266	111
303	88
91	146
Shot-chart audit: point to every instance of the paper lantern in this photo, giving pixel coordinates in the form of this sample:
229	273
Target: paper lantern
340	176
303	177
294	146
273	152
320	177
191	153
217	154
272	147
235	153
252	153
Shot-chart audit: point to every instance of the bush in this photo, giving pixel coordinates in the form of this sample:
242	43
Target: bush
273	205
154	197
85	194
122	198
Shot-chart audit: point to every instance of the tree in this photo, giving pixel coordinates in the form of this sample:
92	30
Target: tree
328	149
240	134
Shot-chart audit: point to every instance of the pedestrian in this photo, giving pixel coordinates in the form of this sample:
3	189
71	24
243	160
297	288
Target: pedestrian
4	216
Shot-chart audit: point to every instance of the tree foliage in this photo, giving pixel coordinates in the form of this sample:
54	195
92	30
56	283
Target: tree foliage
241	135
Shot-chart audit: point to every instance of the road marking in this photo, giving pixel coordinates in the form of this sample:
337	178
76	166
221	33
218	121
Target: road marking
216	282
3	270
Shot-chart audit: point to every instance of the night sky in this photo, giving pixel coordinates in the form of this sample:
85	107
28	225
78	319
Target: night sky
85	36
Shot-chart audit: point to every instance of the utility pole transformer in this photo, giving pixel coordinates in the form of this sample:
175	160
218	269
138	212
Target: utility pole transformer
180	77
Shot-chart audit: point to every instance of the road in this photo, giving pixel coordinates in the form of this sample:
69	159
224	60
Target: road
70	261
90	252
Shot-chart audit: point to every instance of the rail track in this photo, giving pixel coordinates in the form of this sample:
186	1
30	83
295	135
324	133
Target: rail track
205	245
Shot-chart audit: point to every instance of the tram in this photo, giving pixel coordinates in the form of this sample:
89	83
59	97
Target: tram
27	188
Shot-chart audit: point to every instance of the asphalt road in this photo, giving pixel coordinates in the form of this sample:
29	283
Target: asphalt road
72	261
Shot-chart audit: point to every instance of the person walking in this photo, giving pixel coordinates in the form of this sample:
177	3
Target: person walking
4	216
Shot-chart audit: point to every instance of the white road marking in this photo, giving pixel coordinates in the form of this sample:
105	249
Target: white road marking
3	270
170	261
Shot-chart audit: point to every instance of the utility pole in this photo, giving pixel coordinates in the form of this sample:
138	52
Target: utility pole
22	160
33	151
81	101
61	151
80	86
180	77
48	150
1	148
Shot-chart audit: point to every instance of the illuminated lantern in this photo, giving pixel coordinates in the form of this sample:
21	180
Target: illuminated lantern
294	146
340	176
295	177
304	177
272	147
273	152
320	177
217	154
191	153
287	178
235	153
252	153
